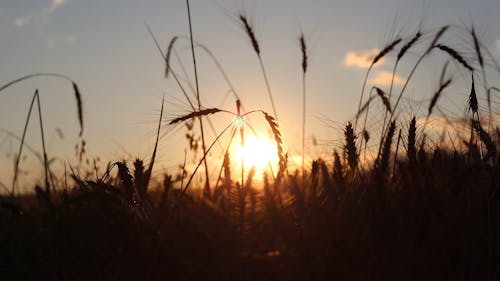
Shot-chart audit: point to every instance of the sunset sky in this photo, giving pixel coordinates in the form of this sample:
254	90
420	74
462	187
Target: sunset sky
105	47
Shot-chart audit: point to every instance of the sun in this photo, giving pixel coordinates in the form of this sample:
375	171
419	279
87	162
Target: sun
258	151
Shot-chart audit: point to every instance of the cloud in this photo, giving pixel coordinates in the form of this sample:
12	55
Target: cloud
361	59
497	43
51	43
22	21
384	78
41	15
70	39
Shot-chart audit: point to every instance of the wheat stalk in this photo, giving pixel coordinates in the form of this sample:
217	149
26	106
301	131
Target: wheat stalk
382	163
386	50
277	137
486	139
473	103
303	49
408	45
454	54
379	56
436	96
78	96
383	97
436	38
167	55
400	55
194	114
477	48
255	44
350	147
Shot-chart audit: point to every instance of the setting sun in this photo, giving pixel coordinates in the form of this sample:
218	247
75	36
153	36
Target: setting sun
258	151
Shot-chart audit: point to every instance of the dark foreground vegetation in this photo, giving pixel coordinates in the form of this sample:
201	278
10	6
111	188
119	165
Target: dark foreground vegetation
434	215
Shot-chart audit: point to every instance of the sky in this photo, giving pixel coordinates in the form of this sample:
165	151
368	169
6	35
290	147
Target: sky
105	47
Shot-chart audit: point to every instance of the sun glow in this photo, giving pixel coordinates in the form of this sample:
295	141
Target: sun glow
258	151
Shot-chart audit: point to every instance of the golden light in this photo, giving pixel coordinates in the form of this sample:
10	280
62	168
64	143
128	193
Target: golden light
258	151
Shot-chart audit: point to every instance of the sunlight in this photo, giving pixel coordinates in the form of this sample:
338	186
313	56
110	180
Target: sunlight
258	152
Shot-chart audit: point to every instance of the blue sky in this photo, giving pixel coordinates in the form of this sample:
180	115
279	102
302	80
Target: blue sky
105	47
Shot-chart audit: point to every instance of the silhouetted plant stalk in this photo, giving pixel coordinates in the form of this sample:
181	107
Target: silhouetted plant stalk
477	49
400	55
382	165
412	139
232	89
376	59
443	84
203	145
240	124
147	175
429	49
255	44
473	107
350	148
237	123
168	71
168	68
365	109
36	97
394	163
490	146
78	96
455	55
473	104
436	38
303	49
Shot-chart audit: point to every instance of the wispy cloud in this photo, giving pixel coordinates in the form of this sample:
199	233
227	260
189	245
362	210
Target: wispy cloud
41	15
21	21
51	43
360	59
497	43
384	78
71	39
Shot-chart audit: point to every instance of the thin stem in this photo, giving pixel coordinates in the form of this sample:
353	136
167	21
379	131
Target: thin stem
204	157
488	98
389	96
396	156
153	156
16	165
267	86
362	93
34	75
364	124
402	92
207	183
242	132
45	161
233	133
406	84
184	92
303	124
